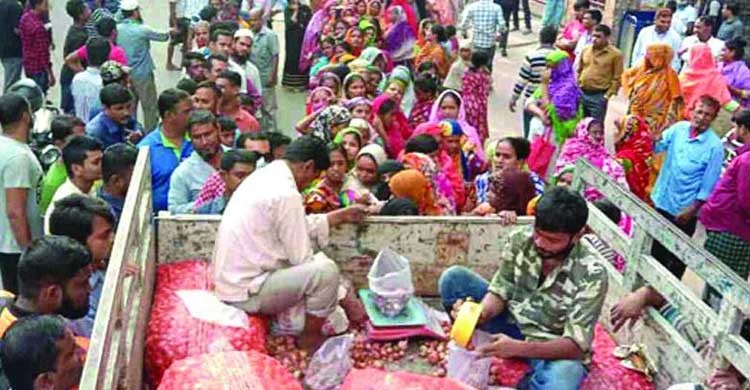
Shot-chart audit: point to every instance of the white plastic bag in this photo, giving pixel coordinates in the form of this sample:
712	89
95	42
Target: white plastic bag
330	364
204	305
390	279
468	367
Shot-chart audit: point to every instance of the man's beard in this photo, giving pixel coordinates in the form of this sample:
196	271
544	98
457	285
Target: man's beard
241	59
70	311
207	154
562	255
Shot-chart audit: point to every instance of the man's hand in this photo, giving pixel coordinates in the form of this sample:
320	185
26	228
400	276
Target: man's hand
134	136
512	104
353	214
627	310
507	217
503	347
724	380
687	214
51	79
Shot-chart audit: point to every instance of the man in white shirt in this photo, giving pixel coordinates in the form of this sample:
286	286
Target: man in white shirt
684	18
659	32
703	34
264	260
87	85
83	160
243	43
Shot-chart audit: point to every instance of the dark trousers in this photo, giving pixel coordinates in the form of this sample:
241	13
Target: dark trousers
9	271
41	79
526	13
67	105
664	256
527	123
490	54
509	7
594	104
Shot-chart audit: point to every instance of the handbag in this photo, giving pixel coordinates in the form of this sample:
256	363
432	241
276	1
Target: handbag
542	150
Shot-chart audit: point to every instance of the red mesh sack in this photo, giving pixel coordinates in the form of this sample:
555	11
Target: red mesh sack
238	370
606	373
173	334
370	378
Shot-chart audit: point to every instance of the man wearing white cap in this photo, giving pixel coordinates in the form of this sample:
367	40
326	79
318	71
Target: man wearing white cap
240	61
135	38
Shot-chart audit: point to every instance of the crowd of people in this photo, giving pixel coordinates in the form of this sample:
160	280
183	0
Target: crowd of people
396	123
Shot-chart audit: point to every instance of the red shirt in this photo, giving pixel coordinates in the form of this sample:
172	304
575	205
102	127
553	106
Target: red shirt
246	122
35	43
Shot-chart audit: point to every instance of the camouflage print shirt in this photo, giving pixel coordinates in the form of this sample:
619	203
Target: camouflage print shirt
566	303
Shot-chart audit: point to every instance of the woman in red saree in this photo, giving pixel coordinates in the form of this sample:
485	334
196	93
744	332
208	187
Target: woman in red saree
635	147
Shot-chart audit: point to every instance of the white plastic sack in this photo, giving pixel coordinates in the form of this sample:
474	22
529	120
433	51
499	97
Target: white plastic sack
390	279
204	305
330	364
468	367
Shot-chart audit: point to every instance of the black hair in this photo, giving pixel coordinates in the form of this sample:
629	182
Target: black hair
74	215
334	147
708	21
214	37
200	117
75	152
105	26
12	108
548	34
450	31
98	50
742	118
426	83
672	6
232	76
62	126
226	123
422	143
604	29
75	8
238	156
390	166
609	209
399	207
340	71
520	145
387	107
561	210
346	46
169	99
50	260
307	148
479	59
710	101
327	39
29	348
734	8
34	3
226	25
188	85
240	142
581	4
207	13
277	139
194	56
596	15
737	45
117	160
426	66
439	32
128	14
115	93
217	57
208	84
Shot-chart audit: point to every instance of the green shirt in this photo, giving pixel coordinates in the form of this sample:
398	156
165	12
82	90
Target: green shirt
568	301
55	177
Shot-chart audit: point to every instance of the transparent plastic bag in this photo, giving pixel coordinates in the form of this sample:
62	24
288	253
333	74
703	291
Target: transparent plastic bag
390	279
330	364
468	367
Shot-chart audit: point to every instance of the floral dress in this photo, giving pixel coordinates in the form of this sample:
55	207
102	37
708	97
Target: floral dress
476	92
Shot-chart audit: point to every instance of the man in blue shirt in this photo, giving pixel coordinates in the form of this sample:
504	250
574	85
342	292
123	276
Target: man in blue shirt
692	166
168	144
135	38
118	162
115	123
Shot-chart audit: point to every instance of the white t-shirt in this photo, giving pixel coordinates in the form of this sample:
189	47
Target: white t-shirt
683	17
67	188
716	45
19	168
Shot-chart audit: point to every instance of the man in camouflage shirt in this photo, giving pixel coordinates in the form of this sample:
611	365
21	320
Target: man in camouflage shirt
553	289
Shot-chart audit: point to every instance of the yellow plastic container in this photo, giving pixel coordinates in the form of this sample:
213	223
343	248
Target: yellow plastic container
465	323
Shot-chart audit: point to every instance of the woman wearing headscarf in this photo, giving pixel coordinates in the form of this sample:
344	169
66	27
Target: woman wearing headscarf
702	77
296	17
588	144
328	123
735	70
360	183
399	38
390	123
445	163
450	106
558	102
313	32
326	195
635	147
444	198
355	40
508	194
653	88
354	86
413	185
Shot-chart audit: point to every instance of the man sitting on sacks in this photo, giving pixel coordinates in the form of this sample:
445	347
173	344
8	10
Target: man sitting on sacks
264	260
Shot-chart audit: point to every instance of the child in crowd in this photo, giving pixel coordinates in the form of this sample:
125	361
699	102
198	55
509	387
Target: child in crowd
228	131
454	80
425	88
476	92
